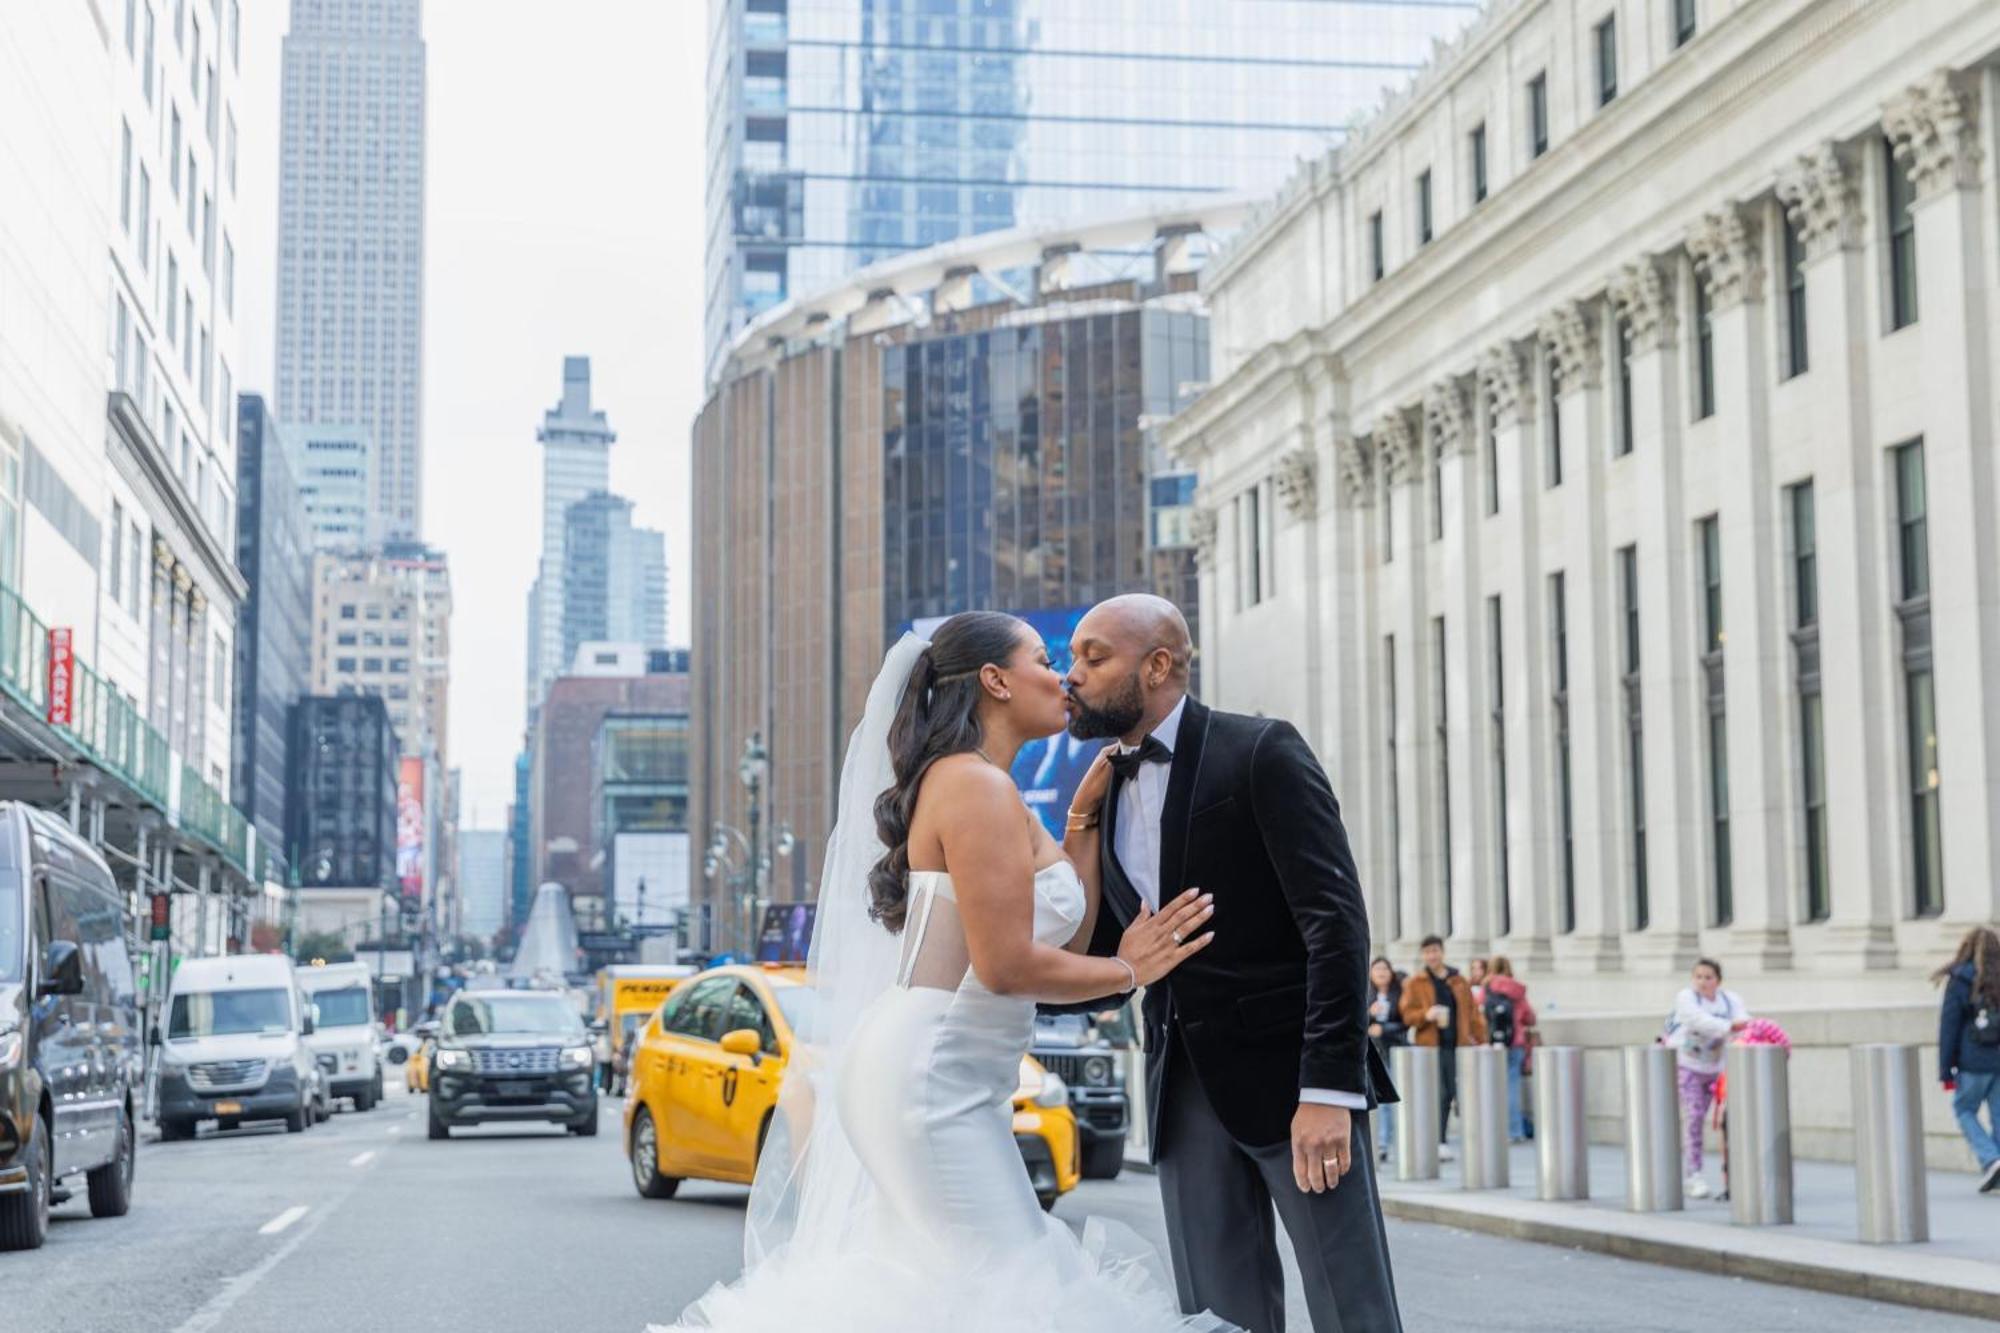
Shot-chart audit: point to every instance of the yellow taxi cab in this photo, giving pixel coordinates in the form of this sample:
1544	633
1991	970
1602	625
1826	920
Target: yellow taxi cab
705	1081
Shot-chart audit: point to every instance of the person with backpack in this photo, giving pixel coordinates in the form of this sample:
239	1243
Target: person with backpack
1510	1022
1440	1011
1969	1045
1704	1018
1388	1031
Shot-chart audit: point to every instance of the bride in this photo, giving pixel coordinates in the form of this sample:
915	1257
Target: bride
890	1195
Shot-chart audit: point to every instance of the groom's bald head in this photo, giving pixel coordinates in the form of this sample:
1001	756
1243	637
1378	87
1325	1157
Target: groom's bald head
1131	658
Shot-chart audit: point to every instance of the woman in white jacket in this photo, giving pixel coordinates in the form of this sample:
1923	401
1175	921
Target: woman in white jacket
1705	1017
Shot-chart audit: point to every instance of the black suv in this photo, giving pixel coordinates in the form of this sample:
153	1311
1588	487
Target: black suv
512	1055
1089	1056
70	1056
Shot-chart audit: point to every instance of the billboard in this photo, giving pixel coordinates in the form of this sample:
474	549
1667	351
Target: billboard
786	934
410	826
1047	771
649	877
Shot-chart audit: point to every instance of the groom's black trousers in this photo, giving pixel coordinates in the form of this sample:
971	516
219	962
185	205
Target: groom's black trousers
1219	1196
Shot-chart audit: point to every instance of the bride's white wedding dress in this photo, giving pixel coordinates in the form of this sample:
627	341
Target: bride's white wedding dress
950	1236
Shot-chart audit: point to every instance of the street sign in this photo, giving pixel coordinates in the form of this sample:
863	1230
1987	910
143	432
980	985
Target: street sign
62	678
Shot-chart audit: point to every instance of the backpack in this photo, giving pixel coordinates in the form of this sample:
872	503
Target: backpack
1984	1027
1499	1020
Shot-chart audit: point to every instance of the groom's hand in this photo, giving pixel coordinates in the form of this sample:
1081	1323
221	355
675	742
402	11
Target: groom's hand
1322	1137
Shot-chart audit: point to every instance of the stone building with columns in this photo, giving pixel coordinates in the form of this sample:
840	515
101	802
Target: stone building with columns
1600	468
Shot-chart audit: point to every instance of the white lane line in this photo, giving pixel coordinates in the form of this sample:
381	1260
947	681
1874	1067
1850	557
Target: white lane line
234	1289
282	1220
395	1129
361	1159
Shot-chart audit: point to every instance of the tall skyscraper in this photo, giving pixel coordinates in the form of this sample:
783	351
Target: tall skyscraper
614	577
844	131
351	237
576	461
333	462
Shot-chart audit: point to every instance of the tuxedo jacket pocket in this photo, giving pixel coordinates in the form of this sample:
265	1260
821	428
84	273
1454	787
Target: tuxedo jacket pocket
1227	805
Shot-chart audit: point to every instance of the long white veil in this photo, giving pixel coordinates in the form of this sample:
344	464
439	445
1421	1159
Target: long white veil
810	1189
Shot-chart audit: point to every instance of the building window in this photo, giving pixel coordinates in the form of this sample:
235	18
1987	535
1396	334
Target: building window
1479	162
1559	699
1497	690
347	611
1538	115
145	219
1919	695
1625	429
1795	300
1552	465
1704	350
1902	242
1388	517
343	664
1607	60
1443	741
118	554
1375	260
1684	22
221	672
1635	742
1437	491
1424	208
1812	727
1395	812
146	73
125	177
1250	523
1709	537
1490	464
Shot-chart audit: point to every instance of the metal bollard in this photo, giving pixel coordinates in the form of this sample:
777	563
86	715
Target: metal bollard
1889	1144
1562	1135
1414	1070
1482	1101
1759	1113
1652	1131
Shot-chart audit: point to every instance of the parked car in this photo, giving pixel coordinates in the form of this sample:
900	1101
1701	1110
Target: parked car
1092	1067
235	1047
512	1055
70	1055
343	1039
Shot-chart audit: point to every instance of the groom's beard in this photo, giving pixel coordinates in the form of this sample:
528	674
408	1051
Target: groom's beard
1118	715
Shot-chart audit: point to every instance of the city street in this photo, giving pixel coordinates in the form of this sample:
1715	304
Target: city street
363	1223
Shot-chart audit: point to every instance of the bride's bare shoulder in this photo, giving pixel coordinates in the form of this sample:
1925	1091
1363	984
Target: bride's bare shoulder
961	784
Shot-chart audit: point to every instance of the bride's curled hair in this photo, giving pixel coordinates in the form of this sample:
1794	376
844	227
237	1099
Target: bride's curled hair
938	715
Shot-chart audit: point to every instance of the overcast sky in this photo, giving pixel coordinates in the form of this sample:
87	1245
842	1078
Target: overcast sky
563	216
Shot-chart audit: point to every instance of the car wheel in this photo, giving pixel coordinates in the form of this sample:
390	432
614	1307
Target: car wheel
438	1128
645	1154
1103	1159
111	1184
588	1129
364	1100
24	1217
296	1121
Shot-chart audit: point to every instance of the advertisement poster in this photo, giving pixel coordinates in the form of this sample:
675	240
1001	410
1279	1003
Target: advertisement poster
787	931
410	829
1047	771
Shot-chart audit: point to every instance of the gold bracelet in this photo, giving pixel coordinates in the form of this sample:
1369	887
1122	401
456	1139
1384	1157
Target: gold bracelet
1078	823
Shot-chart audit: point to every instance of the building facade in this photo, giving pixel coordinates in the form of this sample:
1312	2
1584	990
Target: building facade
351	237
342	815
614	576
382	626
274	630
576	441
1600	468
334	464
482	882
845	131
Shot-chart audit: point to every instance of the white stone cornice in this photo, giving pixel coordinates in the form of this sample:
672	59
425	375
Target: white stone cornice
1643	291
1396	446
1934	126
1202	530
1357	472
1570	333
1727	257
1507	378
1447	419
1822	198
1293	479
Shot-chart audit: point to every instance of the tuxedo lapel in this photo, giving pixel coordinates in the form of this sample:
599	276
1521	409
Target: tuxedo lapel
1174	811
1117	890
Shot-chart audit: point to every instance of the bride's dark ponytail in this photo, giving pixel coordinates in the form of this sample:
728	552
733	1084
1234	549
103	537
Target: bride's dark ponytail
938	715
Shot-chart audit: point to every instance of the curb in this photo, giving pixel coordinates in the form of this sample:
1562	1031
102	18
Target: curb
1921	1292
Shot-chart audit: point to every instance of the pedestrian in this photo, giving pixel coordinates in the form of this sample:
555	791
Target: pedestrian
1476	972
1440	1011
1969	1045
1704	1017
1388	1031
1510	1022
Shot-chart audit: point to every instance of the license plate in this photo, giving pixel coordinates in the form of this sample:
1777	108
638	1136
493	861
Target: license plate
513	1089
229	1108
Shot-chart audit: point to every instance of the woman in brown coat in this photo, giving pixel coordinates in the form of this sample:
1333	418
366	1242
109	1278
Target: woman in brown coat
1440	1011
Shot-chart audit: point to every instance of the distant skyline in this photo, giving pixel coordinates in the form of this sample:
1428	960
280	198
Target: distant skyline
564	216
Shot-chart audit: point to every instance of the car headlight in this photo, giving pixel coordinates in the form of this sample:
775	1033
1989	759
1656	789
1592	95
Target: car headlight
577	1057
1054	1091
450	1057
1097	1071
11	1046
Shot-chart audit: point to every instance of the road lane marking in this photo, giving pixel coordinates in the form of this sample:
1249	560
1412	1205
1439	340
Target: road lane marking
361	1159
282	1220
395	1129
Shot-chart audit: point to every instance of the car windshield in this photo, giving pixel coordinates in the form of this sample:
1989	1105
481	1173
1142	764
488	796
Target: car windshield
797	1003
225	1013
11	911
501	1013
343	1008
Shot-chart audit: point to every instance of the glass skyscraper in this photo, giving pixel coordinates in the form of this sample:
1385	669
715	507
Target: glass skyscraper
844	131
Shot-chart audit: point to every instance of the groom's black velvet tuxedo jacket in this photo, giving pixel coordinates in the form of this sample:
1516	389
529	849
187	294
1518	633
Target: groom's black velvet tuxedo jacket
1280	1001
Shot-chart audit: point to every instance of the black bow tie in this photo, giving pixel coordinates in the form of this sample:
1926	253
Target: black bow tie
1125	764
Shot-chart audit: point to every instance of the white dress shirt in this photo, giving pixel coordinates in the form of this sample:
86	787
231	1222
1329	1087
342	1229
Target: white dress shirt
1137	844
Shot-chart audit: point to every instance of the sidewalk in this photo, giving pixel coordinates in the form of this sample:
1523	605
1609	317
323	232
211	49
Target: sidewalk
1958	1270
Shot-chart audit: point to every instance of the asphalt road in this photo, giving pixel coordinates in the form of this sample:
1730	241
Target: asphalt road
364	1224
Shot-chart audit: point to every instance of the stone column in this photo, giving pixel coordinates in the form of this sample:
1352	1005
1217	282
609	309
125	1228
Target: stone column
1452	425
1672	736
1397	441
197	724
1357	703
177	698
1574	336
1822	193
160	635
1934	126
1507	382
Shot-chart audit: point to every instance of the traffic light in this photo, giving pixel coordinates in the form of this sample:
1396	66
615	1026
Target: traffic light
162	917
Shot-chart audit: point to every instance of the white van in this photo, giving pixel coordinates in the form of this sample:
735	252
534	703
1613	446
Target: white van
235	1048
343	1038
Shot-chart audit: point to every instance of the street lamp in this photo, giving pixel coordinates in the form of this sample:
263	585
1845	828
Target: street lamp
754	768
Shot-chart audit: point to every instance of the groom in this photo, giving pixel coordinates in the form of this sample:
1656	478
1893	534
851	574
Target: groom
1259	1071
